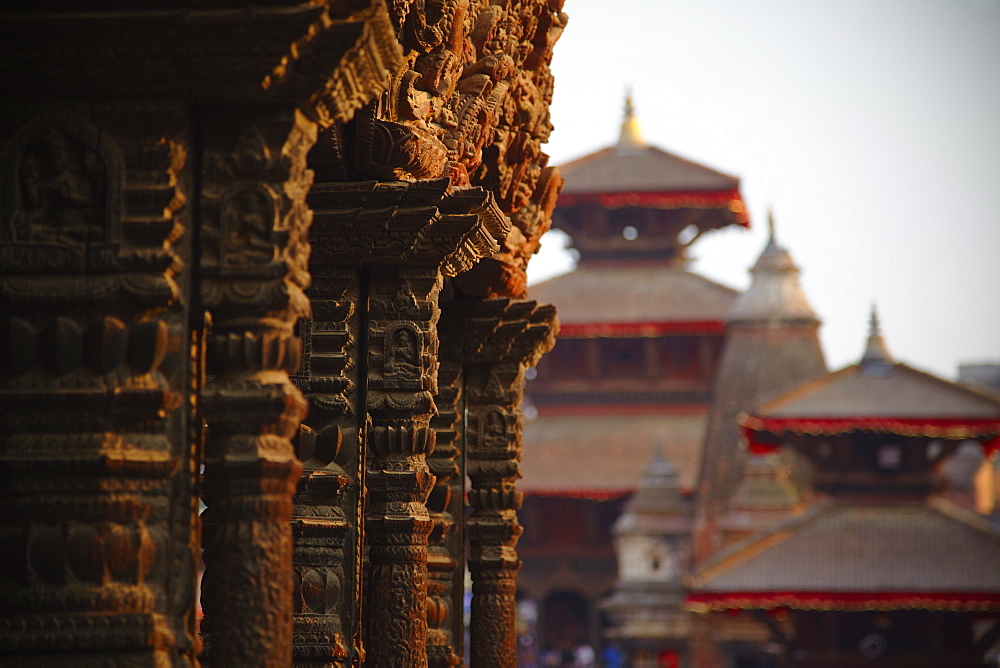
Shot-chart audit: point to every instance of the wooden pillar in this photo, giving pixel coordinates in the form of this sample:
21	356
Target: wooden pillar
446	505
504	338
402	240
327	514
402	362
96	480
254	228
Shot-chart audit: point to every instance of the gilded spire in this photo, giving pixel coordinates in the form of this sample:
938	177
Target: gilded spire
876	352
631	134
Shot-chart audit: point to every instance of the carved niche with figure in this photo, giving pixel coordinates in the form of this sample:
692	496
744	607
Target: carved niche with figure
403	352
61	191
247	225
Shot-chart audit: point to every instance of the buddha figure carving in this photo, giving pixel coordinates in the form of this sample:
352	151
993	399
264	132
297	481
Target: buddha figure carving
494	431
61	193
247	220
403	359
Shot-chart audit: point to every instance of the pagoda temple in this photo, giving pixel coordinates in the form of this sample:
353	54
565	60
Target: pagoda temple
636	357
881	568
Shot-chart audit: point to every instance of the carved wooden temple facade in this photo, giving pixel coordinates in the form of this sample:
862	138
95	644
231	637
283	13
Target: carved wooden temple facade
639	344
270	256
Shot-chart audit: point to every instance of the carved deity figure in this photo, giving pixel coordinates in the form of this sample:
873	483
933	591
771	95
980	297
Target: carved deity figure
494	431
247	218
61	191
403	358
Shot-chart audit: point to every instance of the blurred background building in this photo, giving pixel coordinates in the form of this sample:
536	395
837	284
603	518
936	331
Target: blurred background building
640	341
638	482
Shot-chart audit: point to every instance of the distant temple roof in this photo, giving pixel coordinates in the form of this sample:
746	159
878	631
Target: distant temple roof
633	173
592	295
657	497
850	557
900	392
640	168
601	457
880	396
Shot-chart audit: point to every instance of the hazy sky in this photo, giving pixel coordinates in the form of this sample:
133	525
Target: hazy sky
871	126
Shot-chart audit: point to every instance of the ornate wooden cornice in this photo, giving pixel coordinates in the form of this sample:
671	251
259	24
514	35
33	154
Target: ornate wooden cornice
327	57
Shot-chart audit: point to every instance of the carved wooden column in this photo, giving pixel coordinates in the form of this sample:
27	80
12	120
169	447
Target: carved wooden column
253	263
402	380
96	516
504	337
328	516
446	505
432	233
381	250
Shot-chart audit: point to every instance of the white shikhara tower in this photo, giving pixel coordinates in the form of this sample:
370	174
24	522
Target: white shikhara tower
772	345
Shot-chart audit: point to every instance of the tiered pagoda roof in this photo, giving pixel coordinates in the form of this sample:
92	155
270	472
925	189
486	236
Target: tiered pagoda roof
881	396
636	202
633	173
625	207
882	540
840	556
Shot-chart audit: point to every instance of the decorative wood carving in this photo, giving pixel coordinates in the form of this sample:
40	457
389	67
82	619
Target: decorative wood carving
470	103
93	447
388	245
446	506
402	377
153	265
326	518
501	338
253	265
438	233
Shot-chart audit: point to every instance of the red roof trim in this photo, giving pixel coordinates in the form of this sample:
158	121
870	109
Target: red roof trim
985	430
612	410
640	329
731	200
827	600
592	494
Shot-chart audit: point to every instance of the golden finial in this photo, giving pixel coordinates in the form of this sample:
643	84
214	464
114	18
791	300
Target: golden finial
631	135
